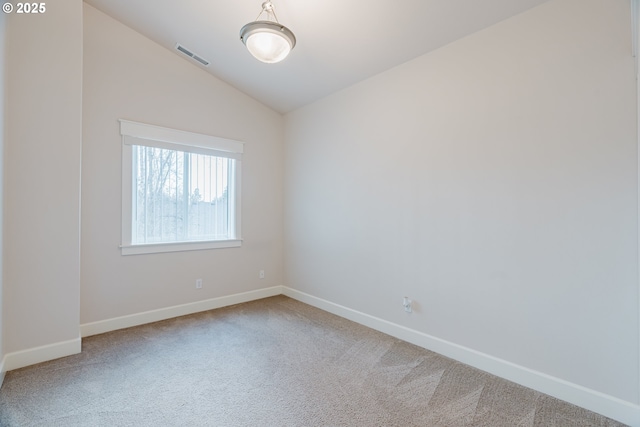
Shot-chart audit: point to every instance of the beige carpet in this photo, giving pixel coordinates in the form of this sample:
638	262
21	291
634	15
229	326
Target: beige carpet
273	362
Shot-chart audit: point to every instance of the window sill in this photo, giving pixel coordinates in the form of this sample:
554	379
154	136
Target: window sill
179	247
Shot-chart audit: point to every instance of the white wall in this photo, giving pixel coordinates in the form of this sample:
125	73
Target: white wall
2	128
42	177
494	181
127	76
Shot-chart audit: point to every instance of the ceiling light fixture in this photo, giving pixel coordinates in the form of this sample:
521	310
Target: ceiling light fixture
268	41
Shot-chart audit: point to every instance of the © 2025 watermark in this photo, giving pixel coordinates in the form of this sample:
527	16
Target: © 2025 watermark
24	8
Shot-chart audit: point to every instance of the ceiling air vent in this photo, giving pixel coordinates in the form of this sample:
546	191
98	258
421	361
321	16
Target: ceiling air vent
192	55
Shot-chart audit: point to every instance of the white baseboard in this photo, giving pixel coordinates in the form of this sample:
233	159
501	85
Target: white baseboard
31	356
2	371
116	323
609	406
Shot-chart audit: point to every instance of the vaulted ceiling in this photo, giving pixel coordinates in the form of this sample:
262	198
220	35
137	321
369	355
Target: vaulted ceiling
339	42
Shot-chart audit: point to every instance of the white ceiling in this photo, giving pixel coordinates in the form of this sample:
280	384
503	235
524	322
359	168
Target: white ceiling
339	42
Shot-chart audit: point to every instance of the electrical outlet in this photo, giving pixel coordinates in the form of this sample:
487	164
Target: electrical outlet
198	283
261	274
406	303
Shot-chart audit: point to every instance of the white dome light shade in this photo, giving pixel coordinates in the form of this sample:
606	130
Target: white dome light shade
267	41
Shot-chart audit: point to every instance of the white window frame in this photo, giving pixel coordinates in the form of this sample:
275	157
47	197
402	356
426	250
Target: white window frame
134	133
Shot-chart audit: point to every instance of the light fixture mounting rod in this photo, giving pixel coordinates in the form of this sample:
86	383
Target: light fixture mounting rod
270	10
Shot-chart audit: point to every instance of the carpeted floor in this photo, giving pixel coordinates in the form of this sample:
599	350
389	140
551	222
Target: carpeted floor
273	362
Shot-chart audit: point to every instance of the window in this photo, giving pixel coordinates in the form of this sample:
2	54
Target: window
180	190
